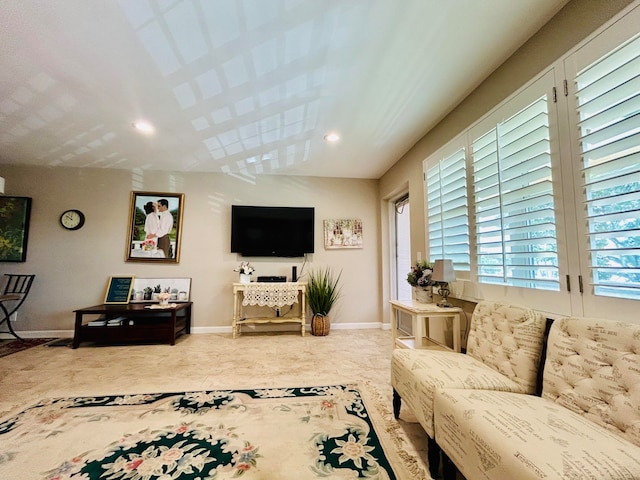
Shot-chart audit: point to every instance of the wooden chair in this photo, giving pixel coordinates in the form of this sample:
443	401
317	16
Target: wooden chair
14	294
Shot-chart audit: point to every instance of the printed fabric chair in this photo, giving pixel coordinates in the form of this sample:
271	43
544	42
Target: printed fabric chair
503	353
14	294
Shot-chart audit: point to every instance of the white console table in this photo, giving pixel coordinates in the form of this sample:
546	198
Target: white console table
274	295
420	315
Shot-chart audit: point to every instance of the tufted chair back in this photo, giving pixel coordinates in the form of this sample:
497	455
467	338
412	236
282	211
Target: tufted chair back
593	369
508	338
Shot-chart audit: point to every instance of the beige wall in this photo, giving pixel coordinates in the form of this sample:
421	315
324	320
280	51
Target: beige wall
72	267
576	21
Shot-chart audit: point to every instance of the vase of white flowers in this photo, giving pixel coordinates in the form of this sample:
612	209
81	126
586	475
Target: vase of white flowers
245	270
420	280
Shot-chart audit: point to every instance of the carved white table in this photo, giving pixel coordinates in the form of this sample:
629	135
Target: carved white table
268	294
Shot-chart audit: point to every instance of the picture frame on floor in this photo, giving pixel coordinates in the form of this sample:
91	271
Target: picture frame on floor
155	227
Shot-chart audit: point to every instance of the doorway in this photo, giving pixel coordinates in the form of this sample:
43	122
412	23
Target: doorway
402	260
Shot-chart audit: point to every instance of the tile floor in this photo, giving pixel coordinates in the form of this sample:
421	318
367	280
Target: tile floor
206	361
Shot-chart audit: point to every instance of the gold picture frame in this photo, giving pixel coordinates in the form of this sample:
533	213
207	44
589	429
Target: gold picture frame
155	227
119	289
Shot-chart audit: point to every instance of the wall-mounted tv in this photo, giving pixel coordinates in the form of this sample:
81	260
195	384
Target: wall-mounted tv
271	231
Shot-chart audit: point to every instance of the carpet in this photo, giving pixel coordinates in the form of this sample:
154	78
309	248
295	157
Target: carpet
7	347
279	433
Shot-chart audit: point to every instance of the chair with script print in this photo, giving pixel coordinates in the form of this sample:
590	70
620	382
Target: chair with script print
503	352
14	294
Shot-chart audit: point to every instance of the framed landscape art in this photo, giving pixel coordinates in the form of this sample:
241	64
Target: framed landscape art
14	228
155	227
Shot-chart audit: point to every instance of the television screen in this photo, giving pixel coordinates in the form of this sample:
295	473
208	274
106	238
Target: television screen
272	231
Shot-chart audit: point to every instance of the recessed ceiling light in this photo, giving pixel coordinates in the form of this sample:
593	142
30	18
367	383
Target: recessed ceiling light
144	127
332	137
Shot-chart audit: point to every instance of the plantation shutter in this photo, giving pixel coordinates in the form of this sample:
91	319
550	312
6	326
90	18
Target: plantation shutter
514	202
447	210
608	105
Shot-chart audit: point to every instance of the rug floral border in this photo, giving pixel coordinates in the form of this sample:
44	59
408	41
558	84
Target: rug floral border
359	448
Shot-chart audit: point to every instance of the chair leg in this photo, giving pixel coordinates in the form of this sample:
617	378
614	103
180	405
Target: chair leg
449	470
433	457
397	402
8	320
13	332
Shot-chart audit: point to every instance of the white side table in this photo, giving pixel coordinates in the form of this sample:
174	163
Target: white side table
420	315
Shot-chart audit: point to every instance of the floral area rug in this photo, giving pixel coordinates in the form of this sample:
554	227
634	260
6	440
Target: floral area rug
7	347
289	433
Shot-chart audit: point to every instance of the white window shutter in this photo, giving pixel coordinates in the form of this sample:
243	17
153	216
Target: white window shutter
447	209
514	201
608	105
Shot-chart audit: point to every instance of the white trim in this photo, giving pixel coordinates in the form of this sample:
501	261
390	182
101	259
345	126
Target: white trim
200	330
39	334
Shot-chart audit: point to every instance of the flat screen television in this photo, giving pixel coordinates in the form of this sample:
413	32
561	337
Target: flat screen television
272	231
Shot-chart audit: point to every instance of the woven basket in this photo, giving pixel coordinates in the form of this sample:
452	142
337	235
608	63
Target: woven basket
320	325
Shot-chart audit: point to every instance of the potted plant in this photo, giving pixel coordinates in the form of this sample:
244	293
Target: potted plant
419	277
322	292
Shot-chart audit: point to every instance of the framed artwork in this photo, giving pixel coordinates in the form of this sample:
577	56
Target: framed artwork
155	227
119	289
343	233
147	289
14	228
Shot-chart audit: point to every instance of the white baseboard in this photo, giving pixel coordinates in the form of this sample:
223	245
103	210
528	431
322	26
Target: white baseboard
197	330
289	328
39	334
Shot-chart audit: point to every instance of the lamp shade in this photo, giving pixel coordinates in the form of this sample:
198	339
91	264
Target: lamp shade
1	186
443	271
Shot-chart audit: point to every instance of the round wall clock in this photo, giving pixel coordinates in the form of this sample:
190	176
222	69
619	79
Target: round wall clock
72	219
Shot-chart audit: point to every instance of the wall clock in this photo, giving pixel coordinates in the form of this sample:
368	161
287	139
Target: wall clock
72	219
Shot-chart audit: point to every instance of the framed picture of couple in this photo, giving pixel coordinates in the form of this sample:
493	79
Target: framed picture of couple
155	227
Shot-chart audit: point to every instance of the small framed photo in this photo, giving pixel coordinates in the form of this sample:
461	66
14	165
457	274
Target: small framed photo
14	228
119	289
155	227
342	233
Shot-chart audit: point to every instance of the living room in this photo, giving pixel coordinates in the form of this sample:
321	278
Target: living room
72	267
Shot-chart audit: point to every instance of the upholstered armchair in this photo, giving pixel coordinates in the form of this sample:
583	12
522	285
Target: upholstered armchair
503	353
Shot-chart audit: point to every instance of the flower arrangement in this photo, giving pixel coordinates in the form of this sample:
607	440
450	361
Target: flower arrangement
420	275
164	297
245	268
148	245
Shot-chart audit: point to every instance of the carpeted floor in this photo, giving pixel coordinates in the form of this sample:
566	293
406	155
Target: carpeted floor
205	362
283	433
7	347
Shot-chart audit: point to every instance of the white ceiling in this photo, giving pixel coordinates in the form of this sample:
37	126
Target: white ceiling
245	87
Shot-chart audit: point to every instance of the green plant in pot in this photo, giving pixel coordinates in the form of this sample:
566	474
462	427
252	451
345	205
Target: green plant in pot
322	292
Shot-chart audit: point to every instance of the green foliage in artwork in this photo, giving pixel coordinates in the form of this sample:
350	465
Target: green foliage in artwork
12	228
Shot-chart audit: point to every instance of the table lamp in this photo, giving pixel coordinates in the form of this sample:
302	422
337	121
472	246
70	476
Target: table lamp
443	274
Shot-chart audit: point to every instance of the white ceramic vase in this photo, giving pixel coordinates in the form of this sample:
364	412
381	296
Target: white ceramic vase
423	294
244	278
